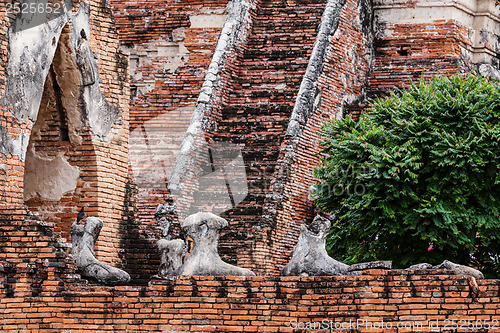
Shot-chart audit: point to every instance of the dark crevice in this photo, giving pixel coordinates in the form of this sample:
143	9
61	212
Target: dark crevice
63	121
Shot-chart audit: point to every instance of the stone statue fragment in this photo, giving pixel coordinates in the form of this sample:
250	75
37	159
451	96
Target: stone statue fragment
458	269
310	257
172	257
204	229
83	238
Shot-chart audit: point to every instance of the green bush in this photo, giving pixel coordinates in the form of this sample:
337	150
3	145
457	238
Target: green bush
421	166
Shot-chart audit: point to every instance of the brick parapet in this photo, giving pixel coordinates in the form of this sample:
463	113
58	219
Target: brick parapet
252	304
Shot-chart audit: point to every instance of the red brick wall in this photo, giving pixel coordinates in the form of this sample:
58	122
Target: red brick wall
346	68
163	98
102	161
253	304
255	110
11	178
405	51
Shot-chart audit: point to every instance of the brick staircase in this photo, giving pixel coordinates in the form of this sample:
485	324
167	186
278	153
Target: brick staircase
259	106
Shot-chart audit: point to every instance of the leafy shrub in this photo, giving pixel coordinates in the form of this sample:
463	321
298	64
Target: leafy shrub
421	166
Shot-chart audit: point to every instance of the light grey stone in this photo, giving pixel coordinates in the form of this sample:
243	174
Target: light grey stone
420	266
489	71
83	238
371	265
172	252
310	257
204	229
460	269
164	214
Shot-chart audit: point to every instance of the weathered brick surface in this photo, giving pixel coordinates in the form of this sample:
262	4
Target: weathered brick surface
346	69
39	288
101	161
256	112
405	51
169	55
423	301
357	65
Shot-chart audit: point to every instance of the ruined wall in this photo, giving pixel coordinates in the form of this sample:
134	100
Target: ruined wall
336	77
65	125
247	110
376	46
169	46
364	56
436	37
257	74
373	302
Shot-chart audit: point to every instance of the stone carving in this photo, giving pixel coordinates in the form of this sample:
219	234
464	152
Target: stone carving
204	229
83	237
172	257
163	215
310	257
458	269
172	252
371	265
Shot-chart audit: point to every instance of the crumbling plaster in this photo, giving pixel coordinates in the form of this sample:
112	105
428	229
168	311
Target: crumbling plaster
49	178
169	52
481	17
31	52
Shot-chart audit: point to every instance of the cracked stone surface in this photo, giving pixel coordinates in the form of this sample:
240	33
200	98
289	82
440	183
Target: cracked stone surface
204	229
457	268
172	257
371	265
310	257
83	238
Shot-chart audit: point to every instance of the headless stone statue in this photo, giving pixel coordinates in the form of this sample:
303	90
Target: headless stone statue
172	252
172	257
310	257
204	229
458	269
83	237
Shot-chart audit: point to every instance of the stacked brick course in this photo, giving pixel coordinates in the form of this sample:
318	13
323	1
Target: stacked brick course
424	302
170	45
346	62
256	110
406	51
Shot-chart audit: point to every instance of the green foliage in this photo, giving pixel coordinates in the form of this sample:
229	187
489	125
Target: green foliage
421	166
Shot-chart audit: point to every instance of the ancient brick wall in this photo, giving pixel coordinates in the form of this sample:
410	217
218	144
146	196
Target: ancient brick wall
375	48
253	103
254	112
11	178
346	62
169	45
432	39
258	110
406	51
67	149
427	301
